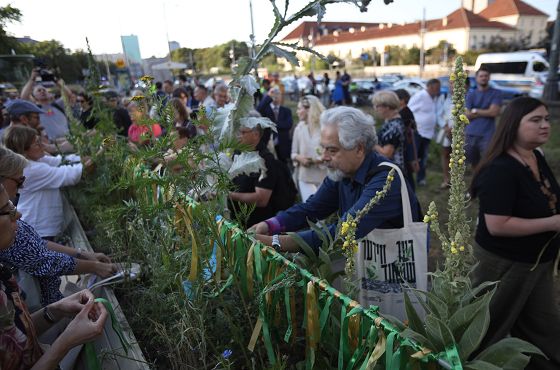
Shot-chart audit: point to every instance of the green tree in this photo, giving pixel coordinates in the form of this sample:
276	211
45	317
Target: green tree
8	14
435	55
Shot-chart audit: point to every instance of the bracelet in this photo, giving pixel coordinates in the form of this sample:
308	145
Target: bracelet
47	315
79	254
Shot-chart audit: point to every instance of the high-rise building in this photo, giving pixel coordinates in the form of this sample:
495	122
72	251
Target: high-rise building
131	49
174	45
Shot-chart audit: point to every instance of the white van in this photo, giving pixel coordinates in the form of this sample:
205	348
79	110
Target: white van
516	69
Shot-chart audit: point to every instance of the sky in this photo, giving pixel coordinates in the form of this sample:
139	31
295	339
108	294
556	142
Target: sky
193	23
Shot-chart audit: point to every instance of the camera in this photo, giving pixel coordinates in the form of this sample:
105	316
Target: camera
45	74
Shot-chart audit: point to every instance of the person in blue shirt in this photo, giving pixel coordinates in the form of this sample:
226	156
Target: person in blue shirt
354	176
483	106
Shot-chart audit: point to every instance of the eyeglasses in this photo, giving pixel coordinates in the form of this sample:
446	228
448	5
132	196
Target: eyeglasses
19	182
12	212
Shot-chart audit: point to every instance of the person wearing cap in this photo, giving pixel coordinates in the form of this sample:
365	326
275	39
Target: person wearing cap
25	113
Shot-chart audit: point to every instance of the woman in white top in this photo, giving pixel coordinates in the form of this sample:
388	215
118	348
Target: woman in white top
40	200
306	148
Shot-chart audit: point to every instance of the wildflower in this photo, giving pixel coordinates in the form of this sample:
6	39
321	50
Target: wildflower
453	250
346	244
227	353
345	227
146	79
390	178
464	118
461	160
452	77
427	218
462	248
137	97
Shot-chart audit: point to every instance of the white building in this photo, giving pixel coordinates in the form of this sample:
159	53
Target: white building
464	29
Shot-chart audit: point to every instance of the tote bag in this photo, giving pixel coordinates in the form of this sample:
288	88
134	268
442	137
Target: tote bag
388	257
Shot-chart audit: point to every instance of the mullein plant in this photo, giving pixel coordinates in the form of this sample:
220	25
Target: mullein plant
457	314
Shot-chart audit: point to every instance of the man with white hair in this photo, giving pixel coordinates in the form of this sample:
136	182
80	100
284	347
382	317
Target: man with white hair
354	176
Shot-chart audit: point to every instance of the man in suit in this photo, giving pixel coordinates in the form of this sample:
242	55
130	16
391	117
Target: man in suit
270	107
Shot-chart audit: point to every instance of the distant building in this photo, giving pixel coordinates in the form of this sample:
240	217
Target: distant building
112	58
174	45
464	29
26	40
131	48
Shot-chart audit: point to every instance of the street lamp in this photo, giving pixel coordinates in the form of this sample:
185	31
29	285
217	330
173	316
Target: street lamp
550	92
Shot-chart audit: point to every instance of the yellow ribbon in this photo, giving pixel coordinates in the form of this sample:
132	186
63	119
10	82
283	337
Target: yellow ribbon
250	261
313	333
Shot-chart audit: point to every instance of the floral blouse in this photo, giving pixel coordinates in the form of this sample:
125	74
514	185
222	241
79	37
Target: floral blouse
30	253
392	132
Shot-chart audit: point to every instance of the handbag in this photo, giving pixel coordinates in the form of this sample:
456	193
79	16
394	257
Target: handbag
387	258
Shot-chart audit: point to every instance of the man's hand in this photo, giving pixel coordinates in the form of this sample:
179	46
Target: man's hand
35	72
260	228
70	306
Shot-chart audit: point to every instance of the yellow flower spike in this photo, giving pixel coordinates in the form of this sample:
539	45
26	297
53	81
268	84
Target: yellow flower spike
354	224
346	244
453	250
462	248
426	219
461	161
463	118
137	98
453	244
452	77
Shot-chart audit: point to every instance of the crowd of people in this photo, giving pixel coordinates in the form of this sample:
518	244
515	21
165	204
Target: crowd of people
329	160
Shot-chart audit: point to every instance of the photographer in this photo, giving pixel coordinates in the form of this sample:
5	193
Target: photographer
53	119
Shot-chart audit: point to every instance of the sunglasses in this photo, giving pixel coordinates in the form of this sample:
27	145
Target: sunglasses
12	212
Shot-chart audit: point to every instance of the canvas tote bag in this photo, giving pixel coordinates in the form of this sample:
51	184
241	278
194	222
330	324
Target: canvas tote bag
387	257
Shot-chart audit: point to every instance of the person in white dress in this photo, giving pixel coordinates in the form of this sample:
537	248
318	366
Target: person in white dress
306	148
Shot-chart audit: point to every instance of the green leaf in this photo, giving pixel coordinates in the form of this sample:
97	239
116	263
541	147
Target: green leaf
474	333
508	353
290	56
303	48
247	163
474	292
438	333
414	321
321	233
418	338
465	315
435	304
480	365
304	246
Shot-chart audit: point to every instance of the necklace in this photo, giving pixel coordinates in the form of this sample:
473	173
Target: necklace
543	181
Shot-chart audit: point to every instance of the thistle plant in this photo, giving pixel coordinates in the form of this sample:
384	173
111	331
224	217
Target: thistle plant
456	243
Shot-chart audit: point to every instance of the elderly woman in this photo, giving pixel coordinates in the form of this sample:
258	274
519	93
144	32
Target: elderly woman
391	138
41	201
19	330
517	233
44	260
306	147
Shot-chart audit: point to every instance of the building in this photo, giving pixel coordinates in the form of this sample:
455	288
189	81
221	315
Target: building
174	45
131	49
470	27
111	58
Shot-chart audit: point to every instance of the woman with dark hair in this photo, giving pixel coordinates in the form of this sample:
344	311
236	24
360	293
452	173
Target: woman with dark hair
519	221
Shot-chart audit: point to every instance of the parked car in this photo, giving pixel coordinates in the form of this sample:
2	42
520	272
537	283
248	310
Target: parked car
537	89
412	85
362	90
390	78
508	93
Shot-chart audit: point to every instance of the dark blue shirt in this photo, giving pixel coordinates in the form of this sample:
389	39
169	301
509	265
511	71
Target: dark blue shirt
347	197
482	126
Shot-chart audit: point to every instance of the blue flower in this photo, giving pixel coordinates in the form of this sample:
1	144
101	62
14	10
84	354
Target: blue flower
227	353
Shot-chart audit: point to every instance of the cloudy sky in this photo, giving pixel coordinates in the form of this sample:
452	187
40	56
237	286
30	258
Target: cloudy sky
193	23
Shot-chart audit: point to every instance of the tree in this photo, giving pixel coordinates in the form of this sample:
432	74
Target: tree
8	14
436	54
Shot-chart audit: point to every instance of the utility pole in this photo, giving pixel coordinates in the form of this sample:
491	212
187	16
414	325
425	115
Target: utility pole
550	92
422	32
252	37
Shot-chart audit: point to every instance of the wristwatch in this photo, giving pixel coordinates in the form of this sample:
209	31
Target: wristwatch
276	243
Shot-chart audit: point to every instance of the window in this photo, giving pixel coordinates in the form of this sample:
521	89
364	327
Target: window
474	42
507	67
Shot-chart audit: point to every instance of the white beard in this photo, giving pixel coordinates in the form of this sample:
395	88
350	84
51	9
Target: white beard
335	175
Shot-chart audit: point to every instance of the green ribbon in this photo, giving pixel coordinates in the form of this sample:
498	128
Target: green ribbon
262	307
343	349
90	354
288	314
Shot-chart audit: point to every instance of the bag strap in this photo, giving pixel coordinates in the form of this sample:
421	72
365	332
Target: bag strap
407	212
